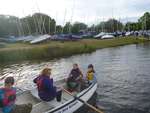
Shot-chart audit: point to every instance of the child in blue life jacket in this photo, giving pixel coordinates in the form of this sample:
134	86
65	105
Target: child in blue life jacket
8	98
46	90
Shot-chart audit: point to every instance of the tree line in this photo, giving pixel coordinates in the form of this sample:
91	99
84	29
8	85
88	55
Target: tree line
40	23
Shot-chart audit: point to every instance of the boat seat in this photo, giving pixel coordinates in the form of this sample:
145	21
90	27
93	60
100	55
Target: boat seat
46	106
34	93
27	97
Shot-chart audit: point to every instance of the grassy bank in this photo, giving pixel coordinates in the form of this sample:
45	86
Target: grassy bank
56	49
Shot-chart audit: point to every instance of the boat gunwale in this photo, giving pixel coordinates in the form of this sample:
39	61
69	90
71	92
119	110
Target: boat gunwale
72	100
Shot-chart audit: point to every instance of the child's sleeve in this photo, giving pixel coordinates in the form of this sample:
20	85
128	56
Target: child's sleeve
1	98
95	79
1	94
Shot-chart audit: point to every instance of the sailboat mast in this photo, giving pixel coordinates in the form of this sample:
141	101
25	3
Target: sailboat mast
55	24
21	27
103	25
19	32
64	20
145	23
43	24
36	24
39	19
49	25
27	23
72	16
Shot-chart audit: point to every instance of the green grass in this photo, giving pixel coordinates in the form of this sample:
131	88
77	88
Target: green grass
57	49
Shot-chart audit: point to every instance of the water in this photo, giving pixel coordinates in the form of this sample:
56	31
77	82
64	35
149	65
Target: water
123	75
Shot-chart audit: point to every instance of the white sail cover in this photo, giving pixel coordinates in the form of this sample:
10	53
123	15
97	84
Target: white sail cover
100	35
107	37
40	39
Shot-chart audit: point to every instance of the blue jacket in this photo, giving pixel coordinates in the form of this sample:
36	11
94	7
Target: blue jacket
46	90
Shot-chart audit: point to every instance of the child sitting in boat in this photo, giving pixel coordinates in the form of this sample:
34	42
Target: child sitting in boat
8	98
46	90
91	78
75	78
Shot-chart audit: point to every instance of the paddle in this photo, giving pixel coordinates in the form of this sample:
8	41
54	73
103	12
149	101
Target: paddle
87	104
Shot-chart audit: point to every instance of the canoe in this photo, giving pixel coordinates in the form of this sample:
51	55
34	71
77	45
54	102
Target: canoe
68	103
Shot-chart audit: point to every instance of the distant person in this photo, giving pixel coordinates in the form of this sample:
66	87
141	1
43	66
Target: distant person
8	98
75	78
91	76
46	90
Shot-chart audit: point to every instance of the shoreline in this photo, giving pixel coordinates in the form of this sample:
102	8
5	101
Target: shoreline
58	49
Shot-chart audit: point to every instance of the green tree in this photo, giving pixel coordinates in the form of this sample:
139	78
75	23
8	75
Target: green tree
112	25
67	28
8	25
144	21
59	29
132	26
77	26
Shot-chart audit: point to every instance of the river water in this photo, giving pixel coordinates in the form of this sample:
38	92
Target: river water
123	75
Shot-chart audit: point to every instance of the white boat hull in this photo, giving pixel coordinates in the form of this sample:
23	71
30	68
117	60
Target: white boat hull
68	104
73	105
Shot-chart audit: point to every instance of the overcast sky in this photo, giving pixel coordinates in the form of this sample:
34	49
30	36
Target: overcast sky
88	11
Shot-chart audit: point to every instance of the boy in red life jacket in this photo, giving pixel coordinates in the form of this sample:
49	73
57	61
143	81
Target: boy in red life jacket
8	98
46	90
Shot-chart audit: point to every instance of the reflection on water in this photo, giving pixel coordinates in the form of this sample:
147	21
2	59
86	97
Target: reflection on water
123	76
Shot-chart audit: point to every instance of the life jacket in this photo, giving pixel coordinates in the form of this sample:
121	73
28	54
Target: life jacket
75	73
90	75
9	97
39	83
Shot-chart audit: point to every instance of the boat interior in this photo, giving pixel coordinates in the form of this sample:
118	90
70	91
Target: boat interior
40	106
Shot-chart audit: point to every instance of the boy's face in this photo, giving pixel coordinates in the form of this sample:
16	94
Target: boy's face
9	84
